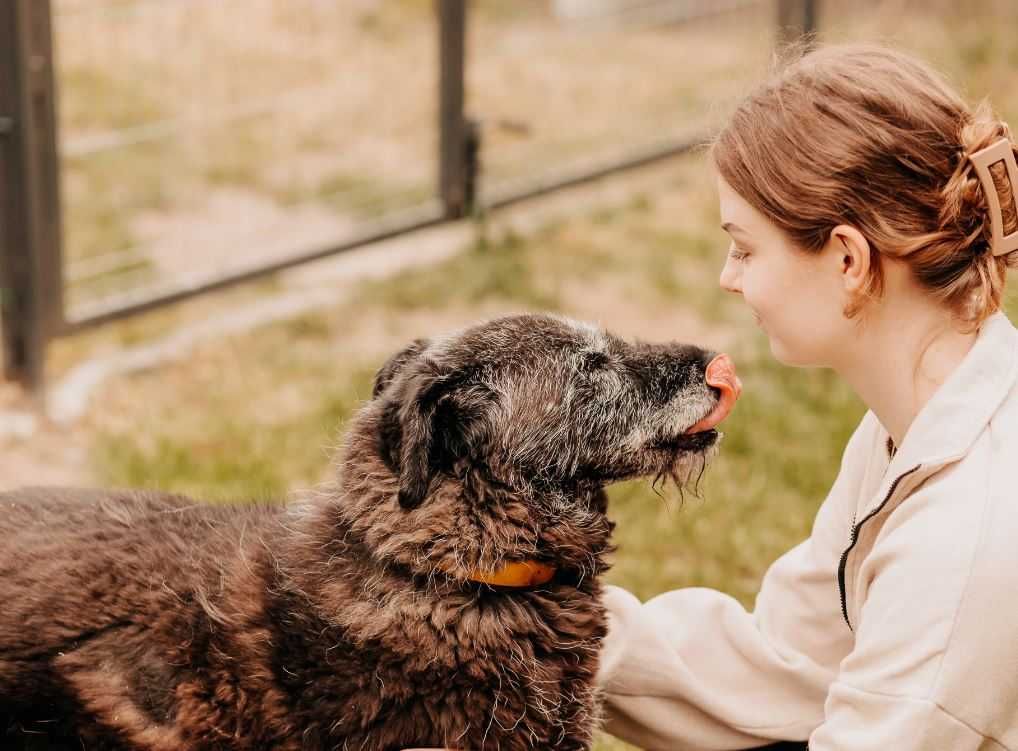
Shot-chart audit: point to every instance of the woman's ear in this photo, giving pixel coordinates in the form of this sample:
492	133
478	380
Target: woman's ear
852	253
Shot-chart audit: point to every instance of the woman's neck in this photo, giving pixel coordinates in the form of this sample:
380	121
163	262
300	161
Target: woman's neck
900	359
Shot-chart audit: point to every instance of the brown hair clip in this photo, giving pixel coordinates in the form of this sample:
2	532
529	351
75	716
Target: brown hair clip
997	152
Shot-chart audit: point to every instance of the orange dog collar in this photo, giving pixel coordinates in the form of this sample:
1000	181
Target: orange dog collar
521	574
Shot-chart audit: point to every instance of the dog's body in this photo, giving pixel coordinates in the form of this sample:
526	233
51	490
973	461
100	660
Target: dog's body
355	619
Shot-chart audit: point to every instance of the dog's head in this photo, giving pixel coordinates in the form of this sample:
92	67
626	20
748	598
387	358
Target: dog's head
541	404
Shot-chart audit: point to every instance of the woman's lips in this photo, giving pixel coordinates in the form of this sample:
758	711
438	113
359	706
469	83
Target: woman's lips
721	375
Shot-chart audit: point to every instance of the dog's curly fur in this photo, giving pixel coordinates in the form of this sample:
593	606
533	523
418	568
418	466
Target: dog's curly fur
348	619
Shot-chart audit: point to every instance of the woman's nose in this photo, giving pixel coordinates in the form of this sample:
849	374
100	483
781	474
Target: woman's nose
730	277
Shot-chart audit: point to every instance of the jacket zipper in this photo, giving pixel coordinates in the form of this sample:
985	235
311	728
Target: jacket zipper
855	538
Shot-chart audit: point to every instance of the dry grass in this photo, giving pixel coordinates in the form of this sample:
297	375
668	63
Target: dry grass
238	123
253	416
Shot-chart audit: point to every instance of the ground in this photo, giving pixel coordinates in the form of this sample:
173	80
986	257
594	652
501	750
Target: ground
254	413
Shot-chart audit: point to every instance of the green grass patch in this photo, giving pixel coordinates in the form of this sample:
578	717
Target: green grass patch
232	454
102	192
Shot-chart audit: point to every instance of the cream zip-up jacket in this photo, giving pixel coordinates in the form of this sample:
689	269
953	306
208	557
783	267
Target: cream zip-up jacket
894	627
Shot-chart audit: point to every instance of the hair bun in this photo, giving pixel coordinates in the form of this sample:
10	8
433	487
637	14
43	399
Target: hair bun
966	207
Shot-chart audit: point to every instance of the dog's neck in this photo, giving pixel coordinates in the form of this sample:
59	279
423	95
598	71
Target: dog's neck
467	529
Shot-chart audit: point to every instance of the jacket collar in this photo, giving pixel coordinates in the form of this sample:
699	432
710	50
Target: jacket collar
949	423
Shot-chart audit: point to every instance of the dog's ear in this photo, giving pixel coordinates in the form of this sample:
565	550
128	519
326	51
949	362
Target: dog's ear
405	429
417	460
426	423
388	372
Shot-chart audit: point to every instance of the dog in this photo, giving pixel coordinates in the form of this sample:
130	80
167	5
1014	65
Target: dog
443	590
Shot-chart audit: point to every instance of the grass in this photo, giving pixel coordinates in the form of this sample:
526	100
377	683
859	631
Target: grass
232	456
123	104
254	416
353	134
358	195
502	270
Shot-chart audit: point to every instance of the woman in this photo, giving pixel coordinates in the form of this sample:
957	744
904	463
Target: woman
863	240
871	213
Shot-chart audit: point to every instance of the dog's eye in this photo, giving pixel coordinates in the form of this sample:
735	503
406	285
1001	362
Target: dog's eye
592	361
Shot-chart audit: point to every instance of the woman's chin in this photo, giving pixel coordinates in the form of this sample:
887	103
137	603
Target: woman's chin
791	357
784	354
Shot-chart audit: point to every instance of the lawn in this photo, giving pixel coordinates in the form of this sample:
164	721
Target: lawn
257	415
183	138
254	416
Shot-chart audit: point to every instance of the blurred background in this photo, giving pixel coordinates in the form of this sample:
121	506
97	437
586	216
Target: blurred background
220	217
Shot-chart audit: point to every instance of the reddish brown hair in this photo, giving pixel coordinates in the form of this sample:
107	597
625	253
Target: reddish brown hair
869	136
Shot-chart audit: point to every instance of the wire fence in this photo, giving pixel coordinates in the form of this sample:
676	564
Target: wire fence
204	144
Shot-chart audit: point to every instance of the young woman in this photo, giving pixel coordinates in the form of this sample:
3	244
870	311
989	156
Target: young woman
871	213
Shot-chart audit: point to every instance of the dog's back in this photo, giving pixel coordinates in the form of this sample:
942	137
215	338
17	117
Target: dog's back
89	577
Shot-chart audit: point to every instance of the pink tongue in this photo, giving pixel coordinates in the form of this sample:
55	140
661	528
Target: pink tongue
720	375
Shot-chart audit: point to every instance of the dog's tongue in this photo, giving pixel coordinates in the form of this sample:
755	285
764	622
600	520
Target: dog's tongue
721	375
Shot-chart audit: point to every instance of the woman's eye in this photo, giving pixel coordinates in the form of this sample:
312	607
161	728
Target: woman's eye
736	254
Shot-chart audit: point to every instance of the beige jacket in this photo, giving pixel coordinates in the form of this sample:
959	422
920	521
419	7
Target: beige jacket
893	627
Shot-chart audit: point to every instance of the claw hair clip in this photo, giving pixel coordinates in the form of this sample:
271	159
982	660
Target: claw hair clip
997	152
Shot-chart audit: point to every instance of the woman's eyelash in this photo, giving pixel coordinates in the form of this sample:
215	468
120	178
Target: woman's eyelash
735	254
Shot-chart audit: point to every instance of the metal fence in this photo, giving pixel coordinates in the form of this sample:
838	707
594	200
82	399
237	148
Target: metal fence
192	180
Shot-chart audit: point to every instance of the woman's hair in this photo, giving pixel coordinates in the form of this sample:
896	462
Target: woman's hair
874	138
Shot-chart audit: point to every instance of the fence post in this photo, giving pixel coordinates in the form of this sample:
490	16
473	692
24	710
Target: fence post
458	136
796	19
31	279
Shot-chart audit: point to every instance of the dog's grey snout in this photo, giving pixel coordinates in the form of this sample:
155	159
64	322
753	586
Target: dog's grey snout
681	369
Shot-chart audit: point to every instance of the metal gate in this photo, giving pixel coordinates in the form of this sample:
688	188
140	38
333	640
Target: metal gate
460	150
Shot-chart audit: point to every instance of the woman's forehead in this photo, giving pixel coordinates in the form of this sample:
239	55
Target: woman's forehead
736	213
739	218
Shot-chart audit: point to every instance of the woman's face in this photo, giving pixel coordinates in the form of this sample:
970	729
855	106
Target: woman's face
797	298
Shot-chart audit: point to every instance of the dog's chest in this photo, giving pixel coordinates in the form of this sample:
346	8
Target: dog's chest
499	674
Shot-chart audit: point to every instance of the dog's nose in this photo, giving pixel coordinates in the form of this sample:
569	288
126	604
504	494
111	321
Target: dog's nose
721	375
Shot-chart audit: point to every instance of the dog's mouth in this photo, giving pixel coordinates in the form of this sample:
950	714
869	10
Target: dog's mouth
686	443
679	457
684	456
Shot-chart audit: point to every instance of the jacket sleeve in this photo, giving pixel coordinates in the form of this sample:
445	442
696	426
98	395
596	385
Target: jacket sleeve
692	669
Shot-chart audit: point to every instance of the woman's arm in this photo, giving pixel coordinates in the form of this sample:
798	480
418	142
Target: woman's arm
694	669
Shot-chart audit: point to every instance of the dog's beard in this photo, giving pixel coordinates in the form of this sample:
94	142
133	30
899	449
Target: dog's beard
685	468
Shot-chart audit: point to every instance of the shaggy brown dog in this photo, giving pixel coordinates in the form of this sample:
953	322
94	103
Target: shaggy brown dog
443	592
